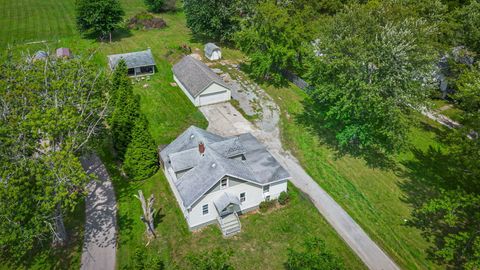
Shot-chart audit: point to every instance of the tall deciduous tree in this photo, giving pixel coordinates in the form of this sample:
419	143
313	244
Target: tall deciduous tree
50	110
126	110
274	39
141	158
450	217
99	17
371	69
213	19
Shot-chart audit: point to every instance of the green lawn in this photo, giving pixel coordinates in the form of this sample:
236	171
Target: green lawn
263	241
375	198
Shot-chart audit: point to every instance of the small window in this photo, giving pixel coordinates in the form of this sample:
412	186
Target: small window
267	198
242	197
205	209
224	183
266	188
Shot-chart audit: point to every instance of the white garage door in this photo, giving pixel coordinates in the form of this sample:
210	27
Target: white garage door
212	98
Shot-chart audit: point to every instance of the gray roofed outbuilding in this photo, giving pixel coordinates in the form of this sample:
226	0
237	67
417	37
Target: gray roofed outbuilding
133	59
210	48
195	76
217	161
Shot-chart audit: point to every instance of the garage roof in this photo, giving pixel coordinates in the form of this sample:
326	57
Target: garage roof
195	76
133	59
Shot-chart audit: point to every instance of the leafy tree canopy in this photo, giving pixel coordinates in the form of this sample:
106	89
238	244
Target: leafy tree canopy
370	67
50	112
274	39
213	19
98	17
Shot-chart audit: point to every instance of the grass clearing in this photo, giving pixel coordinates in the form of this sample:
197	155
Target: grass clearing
373	197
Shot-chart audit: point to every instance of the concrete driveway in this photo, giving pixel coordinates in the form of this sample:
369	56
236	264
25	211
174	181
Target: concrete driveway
225	120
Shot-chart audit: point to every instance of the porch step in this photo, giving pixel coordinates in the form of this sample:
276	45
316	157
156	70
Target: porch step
230	225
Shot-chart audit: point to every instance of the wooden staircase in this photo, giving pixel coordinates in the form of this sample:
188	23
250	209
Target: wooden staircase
230	224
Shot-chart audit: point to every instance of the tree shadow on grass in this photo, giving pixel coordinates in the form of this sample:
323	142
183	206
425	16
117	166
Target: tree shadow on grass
311	119
117	35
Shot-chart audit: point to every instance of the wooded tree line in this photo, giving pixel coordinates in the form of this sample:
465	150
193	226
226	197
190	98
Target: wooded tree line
371	66
53	111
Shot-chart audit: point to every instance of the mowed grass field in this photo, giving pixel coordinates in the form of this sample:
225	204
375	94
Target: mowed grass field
24	21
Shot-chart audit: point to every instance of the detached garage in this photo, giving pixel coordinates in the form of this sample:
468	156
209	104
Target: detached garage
201	85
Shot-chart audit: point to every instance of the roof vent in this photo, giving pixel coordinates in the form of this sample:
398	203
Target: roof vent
192	136
214	165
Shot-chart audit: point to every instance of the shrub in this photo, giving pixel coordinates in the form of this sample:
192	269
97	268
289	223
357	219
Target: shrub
145	20
266	205
284	198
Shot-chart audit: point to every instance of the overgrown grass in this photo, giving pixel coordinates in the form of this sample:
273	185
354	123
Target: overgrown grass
375	198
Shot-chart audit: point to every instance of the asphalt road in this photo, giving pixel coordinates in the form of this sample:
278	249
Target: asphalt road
100	243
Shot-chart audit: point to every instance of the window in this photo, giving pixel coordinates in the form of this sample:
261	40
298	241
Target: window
242	197
224	183
267	198
266	188
205	209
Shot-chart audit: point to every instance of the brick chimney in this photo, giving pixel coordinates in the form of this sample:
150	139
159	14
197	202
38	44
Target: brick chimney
201	148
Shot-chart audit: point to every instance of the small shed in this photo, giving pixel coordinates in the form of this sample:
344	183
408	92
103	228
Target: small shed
138	63
212	52
201	85
63	53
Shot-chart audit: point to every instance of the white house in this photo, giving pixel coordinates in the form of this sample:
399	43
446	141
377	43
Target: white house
215	178
212	52
201	85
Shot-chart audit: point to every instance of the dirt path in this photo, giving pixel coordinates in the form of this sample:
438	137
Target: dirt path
100	243
224	119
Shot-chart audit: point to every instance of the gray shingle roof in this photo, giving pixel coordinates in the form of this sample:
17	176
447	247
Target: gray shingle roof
210	47
133	59
195	75
205	171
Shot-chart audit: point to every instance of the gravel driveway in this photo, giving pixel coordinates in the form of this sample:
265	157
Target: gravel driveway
225	120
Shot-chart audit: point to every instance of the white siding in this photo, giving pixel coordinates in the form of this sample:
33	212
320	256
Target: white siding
215	93
253	197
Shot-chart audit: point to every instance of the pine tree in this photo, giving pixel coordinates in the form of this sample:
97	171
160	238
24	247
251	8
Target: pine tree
126	108
141	159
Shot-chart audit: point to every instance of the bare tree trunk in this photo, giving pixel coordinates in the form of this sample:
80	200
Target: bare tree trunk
148	211
59	233
110	34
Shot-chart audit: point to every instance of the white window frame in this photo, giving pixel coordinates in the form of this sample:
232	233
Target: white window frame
244	197
266	189
205	209
226	183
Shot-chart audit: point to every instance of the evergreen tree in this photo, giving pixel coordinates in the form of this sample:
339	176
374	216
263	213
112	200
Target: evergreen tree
141	159
98	17
126	109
